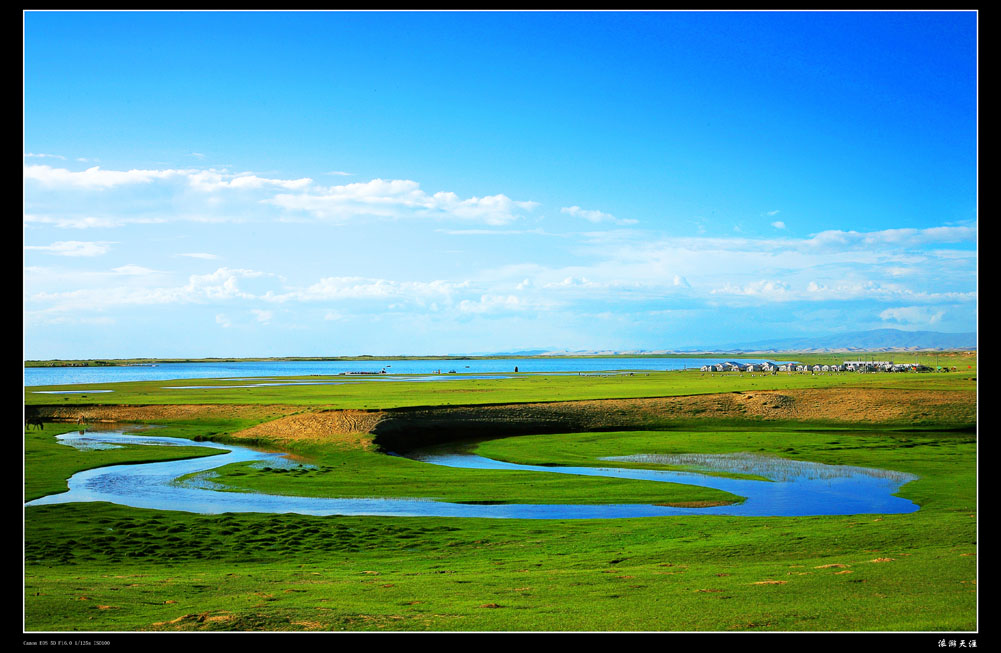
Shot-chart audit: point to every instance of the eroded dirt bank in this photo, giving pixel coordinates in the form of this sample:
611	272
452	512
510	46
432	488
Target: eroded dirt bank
402	428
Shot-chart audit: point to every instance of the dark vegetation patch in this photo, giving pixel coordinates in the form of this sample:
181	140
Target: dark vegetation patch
184	537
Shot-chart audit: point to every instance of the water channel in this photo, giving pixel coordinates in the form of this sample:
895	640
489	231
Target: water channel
794	488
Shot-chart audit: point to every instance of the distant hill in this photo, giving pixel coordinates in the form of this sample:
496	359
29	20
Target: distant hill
875	340
524	352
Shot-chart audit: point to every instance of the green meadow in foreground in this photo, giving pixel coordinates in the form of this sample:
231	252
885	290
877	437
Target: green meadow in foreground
102	567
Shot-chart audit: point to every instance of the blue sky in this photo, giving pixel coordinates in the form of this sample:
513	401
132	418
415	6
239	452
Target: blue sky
324	183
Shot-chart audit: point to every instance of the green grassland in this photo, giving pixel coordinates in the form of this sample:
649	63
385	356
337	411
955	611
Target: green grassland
102	567
344	393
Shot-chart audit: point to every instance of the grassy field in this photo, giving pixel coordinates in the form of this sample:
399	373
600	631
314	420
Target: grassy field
101	567
346	393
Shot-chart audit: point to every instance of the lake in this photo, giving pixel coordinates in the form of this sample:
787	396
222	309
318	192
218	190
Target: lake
34	376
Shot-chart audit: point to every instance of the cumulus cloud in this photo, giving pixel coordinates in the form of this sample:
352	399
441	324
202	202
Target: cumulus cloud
221	284
912	315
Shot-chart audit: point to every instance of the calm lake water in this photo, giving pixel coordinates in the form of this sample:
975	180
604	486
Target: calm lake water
34	376
795	488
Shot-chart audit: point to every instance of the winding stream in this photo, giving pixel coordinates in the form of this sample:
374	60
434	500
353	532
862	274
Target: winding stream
795	488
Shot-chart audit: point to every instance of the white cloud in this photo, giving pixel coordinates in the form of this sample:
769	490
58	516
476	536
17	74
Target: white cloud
43	156
891	237
223	285
912	315
208	180
37	318
73	248
496	304
213	180
573	282
493	232
88	222
769	289
335	288
881	291
223	321
399	198
595	216
133	270
95	178
262	316
612	266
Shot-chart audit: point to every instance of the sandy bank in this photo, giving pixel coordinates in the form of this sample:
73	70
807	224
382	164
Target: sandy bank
401	428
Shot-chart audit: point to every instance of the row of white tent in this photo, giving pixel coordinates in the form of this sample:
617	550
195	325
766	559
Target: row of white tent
847	366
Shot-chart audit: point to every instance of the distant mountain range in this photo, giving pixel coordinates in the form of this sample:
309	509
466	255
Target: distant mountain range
875	340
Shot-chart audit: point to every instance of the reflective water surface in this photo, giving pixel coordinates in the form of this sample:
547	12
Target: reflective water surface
794	488
249	369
